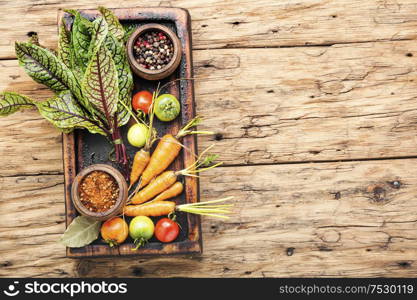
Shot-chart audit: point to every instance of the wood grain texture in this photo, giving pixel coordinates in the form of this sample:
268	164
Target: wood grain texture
343	102
353	101
326	219
236	23
302	99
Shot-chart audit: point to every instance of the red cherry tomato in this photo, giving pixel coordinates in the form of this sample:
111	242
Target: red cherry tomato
166	230
142	101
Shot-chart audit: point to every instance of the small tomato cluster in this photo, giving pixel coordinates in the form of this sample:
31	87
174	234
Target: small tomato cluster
141	228
166	108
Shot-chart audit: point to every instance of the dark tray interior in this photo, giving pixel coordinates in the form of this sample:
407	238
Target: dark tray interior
95	149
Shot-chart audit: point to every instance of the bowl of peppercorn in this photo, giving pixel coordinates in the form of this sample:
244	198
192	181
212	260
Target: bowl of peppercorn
99	192
154	51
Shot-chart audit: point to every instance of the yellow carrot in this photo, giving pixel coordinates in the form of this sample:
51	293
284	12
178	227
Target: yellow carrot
140	161
151	209
162	208
155	187
168	178
171	192
167	150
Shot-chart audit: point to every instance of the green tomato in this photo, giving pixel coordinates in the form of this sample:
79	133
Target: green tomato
141	229
137	135
167	107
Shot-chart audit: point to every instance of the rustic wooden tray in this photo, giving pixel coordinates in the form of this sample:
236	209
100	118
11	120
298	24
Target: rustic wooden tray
81	149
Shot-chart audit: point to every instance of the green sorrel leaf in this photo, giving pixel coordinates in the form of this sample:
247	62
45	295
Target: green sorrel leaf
125	93
125	78
12	102
73	12
100	83
129	29
81	232
64	45
115	27
64	113
99	33
44	67
80	41
34	39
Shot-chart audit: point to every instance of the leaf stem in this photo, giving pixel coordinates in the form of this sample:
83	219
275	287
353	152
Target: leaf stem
208	208
130	111
150	136
185	130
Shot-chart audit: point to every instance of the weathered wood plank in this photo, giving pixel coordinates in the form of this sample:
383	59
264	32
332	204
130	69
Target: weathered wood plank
28	144
236	23
355	101
307	104
329	219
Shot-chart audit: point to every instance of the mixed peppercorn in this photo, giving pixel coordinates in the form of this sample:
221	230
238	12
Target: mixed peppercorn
153	50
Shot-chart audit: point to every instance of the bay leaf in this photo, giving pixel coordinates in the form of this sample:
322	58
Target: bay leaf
64	113
100	83
12	102
115	28
81	232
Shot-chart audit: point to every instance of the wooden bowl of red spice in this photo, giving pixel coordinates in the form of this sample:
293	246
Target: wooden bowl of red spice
99	192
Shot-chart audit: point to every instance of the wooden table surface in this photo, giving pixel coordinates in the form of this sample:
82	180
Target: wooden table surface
315	107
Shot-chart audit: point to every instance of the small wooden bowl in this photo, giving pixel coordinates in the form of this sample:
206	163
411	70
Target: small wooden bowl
120	202
163	72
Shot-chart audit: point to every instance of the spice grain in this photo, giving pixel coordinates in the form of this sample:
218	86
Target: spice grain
99	191
153	50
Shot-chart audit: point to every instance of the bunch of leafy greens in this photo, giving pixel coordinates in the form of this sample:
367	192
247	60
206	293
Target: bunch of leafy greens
89	74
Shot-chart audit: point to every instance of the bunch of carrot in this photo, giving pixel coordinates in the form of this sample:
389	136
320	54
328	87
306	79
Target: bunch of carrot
159	185
156	184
